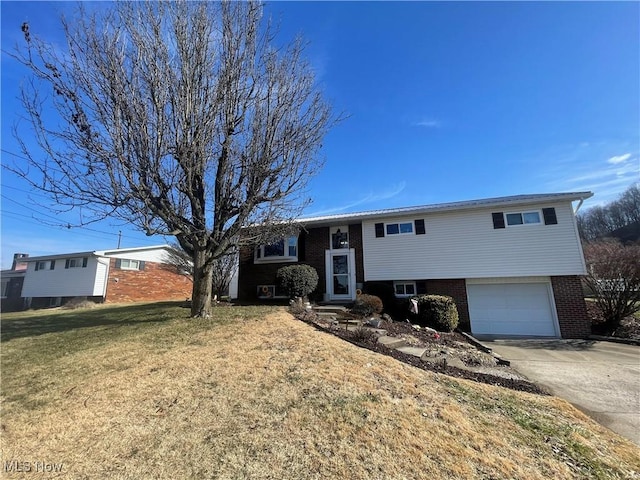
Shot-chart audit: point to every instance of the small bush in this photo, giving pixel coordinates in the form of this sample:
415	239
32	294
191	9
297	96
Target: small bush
297	280
437	311
366	305
385	292
363	335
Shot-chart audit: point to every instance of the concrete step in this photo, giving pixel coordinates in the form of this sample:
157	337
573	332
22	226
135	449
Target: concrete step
329	308
391	342
415	351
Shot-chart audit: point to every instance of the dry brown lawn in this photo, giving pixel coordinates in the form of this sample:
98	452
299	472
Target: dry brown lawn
256	394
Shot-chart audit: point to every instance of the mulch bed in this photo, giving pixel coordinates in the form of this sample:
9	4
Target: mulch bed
446	339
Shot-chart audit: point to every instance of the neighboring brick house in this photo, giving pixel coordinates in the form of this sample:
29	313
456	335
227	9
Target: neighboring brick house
513	264
116	276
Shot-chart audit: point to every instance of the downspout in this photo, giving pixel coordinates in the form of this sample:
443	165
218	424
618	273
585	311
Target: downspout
575	212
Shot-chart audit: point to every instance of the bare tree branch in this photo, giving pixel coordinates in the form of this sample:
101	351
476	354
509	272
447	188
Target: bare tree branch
180	118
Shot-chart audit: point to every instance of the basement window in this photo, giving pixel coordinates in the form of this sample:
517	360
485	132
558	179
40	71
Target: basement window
404	289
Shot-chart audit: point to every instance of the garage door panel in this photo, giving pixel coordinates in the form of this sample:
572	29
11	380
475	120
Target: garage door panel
511	309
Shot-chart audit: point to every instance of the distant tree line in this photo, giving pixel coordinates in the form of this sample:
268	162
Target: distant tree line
599	222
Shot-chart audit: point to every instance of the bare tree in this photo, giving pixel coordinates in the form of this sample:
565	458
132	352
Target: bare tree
224	268
614	278
181	118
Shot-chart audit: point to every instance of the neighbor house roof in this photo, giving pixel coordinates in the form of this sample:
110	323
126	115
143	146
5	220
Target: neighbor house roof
96	253
440	207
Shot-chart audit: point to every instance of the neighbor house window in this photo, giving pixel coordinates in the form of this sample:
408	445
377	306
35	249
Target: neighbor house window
523	218
130	264
4	287
126	264
76	262
45	265
404	289
284	250
399	228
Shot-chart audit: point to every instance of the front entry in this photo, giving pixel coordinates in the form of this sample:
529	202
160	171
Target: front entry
341	274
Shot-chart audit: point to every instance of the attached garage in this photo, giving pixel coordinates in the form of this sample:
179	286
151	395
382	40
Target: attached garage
521	307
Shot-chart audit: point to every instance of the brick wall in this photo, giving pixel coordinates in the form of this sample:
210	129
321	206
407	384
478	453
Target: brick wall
312	246
570	306
457	289
355	241
316	243
156	282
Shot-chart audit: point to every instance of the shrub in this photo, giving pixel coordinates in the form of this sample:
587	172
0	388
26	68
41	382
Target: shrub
366	305
385	292
437	311
297	280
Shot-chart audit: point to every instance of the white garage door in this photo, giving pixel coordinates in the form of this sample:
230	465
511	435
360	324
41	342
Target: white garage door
511	309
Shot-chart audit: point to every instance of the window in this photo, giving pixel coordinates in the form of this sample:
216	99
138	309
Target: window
404	289
4	287
285	250
399	228
126	264
523	218
130	264
76	262
339	238
45	265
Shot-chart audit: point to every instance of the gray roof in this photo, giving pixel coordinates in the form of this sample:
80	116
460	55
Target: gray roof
96	253
439	207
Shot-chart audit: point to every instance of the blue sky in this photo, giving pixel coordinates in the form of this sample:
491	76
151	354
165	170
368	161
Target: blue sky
446	101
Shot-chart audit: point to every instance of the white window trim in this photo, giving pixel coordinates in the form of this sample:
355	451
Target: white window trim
274	259
404	282
523	212
412	232
46	265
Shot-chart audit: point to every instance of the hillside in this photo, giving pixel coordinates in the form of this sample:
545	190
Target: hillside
145	392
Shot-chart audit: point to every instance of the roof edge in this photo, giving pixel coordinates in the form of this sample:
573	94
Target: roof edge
460	205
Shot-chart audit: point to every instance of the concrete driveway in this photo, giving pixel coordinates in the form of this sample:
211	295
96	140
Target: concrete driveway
600	378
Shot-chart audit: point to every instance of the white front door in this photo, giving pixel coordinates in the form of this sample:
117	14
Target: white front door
341	274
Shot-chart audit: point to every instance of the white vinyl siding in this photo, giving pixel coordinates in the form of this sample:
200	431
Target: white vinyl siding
64	282
464	244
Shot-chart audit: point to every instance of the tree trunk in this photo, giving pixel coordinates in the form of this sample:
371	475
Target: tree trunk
202	285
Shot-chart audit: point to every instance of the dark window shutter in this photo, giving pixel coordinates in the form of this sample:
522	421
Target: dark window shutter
549	215
141	265
53	265
498	220
66	263
420	230
85	260
379	230
37	263
118	263
421	288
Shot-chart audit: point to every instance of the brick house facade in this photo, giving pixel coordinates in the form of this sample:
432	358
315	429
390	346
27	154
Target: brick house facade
505	276
157	282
